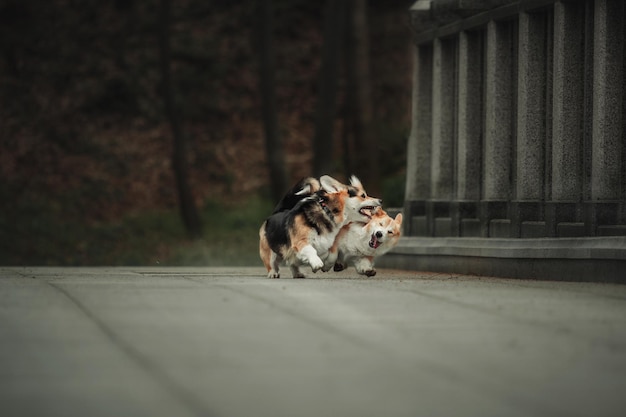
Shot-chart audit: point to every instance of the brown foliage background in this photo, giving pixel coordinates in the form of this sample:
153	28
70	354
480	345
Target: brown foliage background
82	126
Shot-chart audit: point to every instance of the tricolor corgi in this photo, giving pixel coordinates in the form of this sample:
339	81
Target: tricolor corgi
358	243
304	234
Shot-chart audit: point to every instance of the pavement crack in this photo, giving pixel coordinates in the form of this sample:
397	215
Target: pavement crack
143	361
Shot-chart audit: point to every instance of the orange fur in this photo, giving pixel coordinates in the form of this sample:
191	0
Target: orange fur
264	248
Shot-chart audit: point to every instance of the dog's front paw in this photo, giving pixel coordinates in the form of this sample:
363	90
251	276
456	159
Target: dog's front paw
369	272
308	255
273	274
316	264
365	267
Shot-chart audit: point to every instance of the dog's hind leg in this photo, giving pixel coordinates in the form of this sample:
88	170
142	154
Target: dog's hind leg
330	261
274	264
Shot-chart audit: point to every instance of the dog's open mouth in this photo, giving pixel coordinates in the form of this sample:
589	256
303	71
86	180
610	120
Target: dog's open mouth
374	242
367	211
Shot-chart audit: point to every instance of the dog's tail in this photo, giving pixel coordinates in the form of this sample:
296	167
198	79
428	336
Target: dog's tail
303	188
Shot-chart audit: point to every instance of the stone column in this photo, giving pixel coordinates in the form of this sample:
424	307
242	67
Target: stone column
469	116
607	169
497	152
443	133
527	210
563	216
443	129
608	111
531	107
469	135
419	144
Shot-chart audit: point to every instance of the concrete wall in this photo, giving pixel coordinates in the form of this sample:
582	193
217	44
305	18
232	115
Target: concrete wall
518	120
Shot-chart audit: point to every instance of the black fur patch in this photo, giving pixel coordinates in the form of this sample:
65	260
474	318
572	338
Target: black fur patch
276	231
278	224
290	199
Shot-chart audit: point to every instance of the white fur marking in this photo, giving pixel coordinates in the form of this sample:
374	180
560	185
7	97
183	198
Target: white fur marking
308	255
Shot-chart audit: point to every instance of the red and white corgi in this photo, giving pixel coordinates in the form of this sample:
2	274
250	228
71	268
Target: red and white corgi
358	244
304	234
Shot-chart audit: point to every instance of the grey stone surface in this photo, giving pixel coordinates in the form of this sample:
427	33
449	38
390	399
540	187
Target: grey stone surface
498	144
616	230
568	103
419	143
531	107
500	228
443	130
608	101
419	226
570	229
443	227
229	342
576	259
533	229
541	150
470	228
565	248
469	120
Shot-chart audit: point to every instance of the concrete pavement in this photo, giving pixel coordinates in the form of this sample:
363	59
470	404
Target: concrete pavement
228	342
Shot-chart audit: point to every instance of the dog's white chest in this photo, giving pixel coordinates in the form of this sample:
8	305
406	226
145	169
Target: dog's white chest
356	241
322	243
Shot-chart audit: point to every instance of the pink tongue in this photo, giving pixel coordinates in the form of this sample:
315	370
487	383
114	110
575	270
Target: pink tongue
374	243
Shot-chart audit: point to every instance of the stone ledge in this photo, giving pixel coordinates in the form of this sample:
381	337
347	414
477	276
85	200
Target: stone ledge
596	259
613	247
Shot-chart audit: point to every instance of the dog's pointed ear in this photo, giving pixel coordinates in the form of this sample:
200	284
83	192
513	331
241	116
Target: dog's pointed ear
355	182
331	185
398	219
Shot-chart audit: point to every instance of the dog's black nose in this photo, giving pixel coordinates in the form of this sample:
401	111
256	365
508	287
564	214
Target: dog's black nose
379	234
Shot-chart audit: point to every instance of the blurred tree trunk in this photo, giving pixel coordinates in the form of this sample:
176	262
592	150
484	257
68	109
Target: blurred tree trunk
334	19
349	106
367	163
187	205
273	143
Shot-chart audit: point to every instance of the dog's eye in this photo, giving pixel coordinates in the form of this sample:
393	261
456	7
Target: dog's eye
381	223
390	232
335	211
